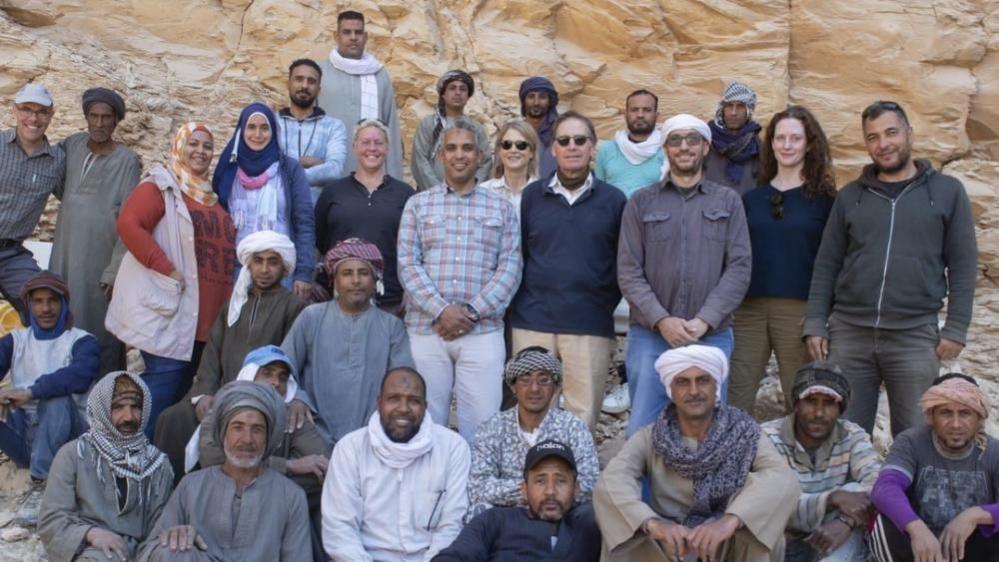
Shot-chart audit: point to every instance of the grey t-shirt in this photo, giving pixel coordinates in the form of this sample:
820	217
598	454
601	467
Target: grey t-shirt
942	487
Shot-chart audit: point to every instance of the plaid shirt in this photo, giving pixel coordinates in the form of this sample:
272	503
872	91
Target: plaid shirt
25	184
458	249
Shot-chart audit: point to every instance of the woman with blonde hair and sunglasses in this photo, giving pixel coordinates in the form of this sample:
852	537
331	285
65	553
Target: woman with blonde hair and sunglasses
515	161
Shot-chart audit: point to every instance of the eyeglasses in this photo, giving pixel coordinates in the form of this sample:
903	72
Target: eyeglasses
692	139
41	114
579	140
777	205
521	145
540	380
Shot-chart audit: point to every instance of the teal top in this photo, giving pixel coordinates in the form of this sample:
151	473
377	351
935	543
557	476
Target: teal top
613	168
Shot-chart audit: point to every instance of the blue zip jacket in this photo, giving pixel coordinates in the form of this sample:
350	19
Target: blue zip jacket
319	136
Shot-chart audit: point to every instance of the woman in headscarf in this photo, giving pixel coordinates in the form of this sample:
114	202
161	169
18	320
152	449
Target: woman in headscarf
265	190
179	268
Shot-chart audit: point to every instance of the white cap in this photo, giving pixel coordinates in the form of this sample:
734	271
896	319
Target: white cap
34	93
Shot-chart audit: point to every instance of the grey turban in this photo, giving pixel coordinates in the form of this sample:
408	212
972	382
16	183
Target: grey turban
94	95
240	395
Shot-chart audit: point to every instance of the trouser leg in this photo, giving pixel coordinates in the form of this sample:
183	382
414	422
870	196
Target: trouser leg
585	365
785	334
477	372
17	265
750	353
164	377
648	396
852	348
908	363
58	423
434	362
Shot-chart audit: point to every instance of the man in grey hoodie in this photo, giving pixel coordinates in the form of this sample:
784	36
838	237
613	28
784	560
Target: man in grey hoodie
899	240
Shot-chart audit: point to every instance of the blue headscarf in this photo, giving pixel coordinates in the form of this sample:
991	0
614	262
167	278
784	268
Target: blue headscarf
237	154
542	84
54	283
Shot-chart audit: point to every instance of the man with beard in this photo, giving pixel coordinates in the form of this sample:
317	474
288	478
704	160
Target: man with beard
260	312
106	489
683	264
539	107
734	159
306	133
100	175
570	223
899	240
396	489
503	440
938	495
549	527
241	511
635	158
836	466
715	487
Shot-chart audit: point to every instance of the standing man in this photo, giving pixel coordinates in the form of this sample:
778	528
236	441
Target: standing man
899	240
635	158
459	261
539	107
570	223
735	143
683	264
355	86
454	89
305	133
30	169
100	175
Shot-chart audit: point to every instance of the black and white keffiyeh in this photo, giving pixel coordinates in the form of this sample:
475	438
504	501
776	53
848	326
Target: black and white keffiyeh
532	359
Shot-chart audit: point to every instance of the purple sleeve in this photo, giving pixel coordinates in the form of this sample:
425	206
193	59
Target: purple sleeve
888	496
988	530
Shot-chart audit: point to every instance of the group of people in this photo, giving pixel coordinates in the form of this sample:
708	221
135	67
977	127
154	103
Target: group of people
305	319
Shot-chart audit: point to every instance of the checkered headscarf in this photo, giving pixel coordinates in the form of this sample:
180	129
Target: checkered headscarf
530	360
736	91
354	249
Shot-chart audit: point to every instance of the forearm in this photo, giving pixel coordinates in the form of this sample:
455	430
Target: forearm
83	368
889	498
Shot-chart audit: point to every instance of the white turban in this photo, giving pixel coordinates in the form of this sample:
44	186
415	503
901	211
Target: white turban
685	121
262	241
705	357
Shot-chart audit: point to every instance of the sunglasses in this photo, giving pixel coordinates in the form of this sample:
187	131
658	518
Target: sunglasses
692	139
777	205
579	140
521	145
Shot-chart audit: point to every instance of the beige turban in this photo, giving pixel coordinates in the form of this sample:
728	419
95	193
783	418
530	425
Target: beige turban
705	357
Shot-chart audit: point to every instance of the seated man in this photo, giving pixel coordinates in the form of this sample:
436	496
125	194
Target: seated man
717	488
107	488
342	348
396	489
503	440
836	467
550	527
938	494
260	312
52	365
241	511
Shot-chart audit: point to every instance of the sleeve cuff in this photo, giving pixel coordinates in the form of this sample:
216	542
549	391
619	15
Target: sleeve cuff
815	327
954	333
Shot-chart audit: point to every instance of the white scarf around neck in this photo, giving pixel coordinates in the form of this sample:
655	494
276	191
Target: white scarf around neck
639	152
400	455
364	68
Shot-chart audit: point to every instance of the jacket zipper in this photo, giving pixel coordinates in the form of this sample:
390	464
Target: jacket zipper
891	233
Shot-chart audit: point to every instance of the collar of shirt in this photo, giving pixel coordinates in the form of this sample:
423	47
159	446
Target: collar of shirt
449	190
824	451
668	183
45	149
357	183
570	196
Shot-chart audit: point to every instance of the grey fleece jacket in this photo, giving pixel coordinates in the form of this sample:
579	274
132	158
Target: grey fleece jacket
889	263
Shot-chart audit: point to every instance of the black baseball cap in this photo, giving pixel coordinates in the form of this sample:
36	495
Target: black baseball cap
549	448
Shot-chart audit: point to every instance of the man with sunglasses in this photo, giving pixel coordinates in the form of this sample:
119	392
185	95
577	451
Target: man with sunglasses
502	442
683	264
899	240
30	169
570	223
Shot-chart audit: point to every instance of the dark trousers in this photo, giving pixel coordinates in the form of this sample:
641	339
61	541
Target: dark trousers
888	544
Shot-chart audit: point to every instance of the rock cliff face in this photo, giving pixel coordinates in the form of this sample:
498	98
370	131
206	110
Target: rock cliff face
186	59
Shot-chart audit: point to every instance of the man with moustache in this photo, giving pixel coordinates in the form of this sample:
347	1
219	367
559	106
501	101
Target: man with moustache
715	487
550	526
243	510
899	240
100	174
396	489
106	489
539	107
635	158
683	264
734	160
570	223
836	466
306	133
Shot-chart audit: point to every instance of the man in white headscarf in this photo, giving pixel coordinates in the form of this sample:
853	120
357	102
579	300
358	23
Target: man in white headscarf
260	312
683	264
106	489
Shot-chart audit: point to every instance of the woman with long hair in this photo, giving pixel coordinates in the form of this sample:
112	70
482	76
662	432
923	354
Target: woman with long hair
786	215
516	160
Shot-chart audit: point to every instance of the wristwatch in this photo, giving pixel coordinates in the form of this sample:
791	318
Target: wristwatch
472	313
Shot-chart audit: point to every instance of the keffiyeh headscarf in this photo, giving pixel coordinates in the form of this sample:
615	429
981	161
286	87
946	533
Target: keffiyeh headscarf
737	147
54	283
954	388
529	360
265	240
354	249
821	377
195	187
736	92
241	395
445	79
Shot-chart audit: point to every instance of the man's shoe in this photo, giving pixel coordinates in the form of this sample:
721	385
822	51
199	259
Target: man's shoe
27	513
618	401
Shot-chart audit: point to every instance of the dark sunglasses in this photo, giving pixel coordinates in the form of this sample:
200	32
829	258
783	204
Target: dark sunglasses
692	139
777	205
521	145
579	140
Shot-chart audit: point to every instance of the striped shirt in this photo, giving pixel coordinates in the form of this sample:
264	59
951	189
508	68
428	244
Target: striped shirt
25	184
846	460
456	248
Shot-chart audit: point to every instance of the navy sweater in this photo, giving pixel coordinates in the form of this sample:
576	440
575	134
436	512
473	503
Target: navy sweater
570	260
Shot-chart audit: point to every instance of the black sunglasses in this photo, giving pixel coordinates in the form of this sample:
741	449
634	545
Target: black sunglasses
777	205
521	145
580	140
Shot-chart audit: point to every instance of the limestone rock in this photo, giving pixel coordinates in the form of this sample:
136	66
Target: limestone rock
14	534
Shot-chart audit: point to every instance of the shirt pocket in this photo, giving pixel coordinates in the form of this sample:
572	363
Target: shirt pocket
715	225
433	231
487	231
162	294
428	509
657	226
